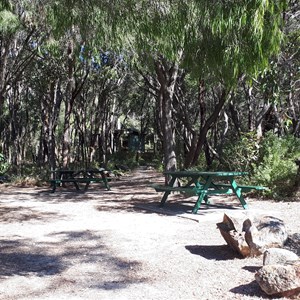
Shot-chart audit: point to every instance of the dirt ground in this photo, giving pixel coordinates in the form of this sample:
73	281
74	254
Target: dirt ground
119	244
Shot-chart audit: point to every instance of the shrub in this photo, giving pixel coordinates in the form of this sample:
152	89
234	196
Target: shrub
240	154
4	165
276	166
124	158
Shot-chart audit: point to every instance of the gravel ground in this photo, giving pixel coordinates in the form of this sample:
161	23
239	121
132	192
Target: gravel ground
119	245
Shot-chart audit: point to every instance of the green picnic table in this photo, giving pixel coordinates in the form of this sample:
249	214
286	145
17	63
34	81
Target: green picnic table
202	184
62	176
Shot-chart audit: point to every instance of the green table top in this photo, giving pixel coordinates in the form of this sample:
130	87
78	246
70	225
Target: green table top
204	173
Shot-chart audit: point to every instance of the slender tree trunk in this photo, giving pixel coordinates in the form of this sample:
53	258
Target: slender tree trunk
3	65
193	157
167	81
50	108
69	100
234	117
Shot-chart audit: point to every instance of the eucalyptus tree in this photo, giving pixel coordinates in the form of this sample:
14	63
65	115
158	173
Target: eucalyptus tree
217	41
8	26
271	101
51	31
18	35
98	108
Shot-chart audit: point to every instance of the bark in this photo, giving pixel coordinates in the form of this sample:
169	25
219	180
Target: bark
250	104
235	117
11	69
72	92
193	156
167	81
69	100
3	66
56	99
192	146
50	108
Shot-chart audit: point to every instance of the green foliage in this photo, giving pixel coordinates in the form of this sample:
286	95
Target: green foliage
4	165
132	159
26	181
270	163
9	22
276	168
241	154
123	158
28	174
158	165
4	4
222	39
202	164
236	38
30	170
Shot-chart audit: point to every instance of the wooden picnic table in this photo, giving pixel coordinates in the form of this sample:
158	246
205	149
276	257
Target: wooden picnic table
202	184
62	176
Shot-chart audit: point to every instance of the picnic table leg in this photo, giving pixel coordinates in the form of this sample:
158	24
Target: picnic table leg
202	194
107	186
164	199
167	193
87	186
76	185
105	181
238	192
201	197
53	184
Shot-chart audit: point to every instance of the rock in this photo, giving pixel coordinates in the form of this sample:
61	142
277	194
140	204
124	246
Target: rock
231	231
235	240
274	256
293	243
252	236
280	280
264	233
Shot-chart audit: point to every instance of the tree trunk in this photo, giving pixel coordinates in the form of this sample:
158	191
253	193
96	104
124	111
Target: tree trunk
3	65
167	81
55	103
193	156
69	100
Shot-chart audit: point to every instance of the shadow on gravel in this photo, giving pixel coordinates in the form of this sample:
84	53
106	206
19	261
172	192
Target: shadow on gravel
11	214
222	252
89	262
251	289
130	193
16	259
83	250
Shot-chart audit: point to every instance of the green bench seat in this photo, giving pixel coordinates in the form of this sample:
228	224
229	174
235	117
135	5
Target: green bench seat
195	191
190	190
165	188
244	188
